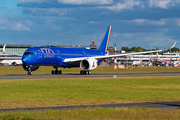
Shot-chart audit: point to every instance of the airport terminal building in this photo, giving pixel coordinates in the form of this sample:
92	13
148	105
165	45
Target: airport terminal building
153	59
20	49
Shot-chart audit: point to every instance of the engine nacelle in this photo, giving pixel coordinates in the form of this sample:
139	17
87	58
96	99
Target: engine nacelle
88	64
26	67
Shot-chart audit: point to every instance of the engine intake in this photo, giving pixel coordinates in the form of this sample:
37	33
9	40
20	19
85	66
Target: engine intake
88	64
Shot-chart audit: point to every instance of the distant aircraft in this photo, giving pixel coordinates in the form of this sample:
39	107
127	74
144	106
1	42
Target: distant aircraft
86	59
136	62
12	62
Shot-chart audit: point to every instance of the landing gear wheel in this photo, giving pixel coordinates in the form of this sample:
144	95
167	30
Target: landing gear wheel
85	72
29	73
60	72
52	72
81	72
56	71
29	70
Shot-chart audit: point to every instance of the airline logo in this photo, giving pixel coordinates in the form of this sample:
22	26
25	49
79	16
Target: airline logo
47	52
109	33
93	65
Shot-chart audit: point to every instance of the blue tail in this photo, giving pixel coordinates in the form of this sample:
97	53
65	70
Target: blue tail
105	42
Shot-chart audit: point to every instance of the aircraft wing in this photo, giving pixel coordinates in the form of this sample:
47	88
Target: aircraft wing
112	56
11	53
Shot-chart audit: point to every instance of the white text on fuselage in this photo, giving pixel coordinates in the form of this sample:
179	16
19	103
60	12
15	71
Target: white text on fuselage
48	53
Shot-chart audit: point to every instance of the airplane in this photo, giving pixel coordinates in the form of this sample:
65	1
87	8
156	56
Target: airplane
86	59
12	62
136	63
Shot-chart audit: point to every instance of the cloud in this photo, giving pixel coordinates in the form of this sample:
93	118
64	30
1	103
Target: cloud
154	42
178	21
10	25
128	35
46	11
152	22
77	2
139	21
20	27
165	4
127	4
31	1
74	2
131	4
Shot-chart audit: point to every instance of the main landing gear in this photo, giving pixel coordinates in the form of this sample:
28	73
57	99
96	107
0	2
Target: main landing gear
56	71
85	72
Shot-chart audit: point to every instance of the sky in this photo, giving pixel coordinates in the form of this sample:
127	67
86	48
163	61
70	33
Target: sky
144	23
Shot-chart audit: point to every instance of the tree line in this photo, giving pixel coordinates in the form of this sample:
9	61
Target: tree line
140	49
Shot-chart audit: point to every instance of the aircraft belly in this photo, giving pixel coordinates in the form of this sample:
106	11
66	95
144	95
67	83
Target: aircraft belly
49	61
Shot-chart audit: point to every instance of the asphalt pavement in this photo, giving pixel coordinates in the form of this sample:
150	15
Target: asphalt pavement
37	76
153	105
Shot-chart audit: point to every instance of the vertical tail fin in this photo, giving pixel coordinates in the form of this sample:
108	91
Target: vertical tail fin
105	42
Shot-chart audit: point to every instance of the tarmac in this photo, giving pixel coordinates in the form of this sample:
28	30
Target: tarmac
175	105
41	76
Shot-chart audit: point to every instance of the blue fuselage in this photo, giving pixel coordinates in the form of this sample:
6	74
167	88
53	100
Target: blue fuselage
54	56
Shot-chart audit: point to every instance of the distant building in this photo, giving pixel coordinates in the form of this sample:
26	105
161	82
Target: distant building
20	49
145	59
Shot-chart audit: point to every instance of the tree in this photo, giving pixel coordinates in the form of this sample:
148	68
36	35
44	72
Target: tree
135	49
174	49
125	49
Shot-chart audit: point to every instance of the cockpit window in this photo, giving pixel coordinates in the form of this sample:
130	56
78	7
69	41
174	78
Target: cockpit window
28	53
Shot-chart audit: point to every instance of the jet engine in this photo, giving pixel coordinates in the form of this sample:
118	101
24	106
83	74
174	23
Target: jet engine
88	64
26	67
14	64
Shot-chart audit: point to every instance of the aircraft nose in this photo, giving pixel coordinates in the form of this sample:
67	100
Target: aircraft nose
25	59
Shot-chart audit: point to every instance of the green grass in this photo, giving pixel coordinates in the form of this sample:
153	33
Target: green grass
95	114
55	92
47	70
66	91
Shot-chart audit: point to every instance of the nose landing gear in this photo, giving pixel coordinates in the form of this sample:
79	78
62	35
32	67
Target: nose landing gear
30	70
56	71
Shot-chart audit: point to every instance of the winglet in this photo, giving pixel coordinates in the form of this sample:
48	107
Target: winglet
10	53
173	45
4	48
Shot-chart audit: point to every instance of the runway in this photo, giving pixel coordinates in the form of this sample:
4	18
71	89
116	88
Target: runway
152	105
41	76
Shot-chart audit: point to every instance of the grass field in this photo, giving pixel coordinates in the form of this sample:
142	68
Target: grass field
47	70
64	91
